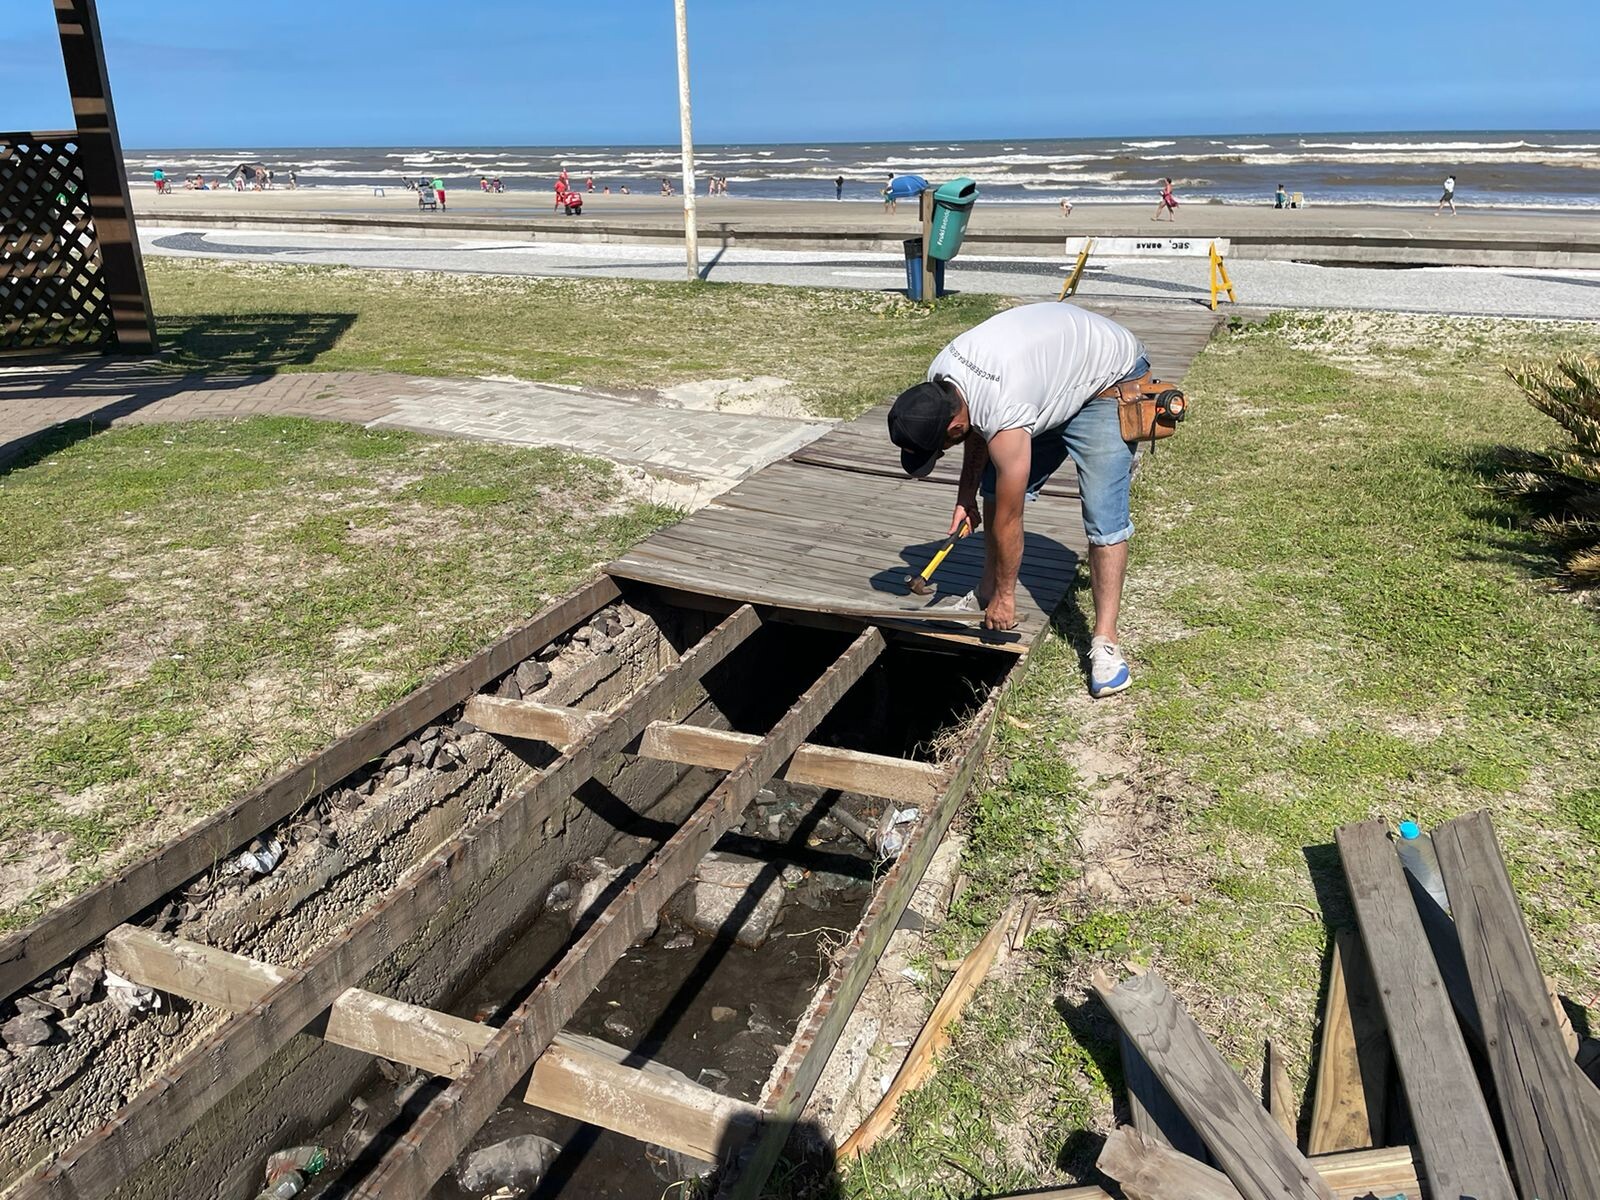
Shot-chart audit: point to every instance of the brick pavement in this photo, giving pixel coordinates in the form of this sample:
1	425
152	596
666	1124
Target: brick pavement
709	450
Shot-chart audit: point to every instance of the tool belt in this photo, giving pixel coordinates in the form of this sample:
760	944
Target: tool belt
1147	408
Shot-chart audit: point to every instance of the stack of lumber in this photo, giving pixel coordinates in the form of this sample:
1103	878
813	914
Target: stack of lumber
1445	1065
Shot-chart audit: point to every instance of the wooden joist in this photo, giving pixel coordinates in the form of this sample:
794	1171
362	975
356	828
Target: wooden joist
900	779
1280	1097
578	1076
502	839
443	1130
80	921
1453	1129
1249	1146
1149	1169
1554	1151
1348	1103
1150	1110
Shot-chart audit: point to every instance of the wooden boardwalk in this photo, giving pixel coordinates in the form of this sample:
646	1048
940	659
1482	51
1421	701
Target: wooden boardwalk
838	526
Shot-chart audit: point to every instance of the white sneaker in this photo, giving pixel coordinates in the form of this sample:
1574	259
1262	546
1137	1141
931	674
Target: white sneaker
1108	670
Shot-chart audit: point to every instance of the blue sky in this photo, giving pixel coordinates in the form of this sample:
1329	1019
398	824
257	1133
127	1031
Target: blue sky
231	73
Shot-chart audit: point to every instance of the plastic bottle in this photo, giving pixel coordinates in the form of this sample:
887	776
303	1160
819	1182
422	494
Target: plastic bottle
1417	857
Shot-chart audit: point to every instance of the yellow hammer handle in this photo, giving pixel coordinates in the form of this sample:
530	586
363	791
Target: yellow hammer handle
927	571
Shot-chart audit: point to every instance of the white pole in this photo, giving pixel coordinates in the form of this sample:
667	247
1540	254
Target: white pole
691	237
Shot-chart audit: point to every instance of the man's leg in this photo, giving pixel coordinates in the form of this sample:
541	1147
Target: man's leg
1108	567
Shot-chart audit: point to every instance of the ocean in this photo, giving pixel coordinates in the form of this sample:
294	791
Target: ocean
1498	170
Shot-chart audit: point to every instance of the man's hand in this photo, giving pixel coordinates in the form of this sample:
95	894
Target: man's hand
1001	613
967	513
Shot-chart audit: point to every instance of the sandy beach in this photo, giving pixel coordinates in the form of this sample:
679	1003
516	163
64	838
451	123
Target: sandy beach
868	218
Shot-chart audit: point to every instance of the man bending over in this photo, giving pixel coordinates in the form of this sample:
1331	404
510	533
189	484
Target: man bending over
1020	393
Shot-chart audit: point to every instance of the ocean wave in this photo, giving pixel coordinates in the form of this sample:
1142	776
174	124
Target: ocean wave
1147	145
1245	145
1415	146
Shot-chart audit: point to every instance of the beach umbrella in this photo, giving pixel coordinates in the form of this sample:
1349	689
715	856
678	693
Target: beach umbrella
903	187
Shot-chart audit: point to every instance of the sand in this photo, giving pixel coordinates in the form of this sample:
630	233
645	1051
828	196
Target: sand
868	218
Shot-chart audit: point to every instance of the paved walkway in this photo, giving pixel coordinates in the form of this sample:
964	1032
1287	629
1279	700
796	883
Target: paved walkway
707	451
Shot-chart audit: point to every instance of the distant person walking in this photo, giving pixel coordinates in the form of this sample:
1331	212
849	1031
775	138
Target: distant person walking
838	188
1449	196
1280	198
1168	203
438	190
1066	207
888	195
160	179
589	182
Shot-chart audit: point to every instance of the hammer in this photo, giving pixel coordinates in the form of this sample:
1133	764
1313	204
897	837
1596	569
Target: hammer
918	584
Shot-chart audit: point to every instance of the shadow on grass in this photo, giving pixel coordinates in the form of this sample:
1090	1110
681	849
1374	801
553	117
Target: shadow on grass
1500	532
255	343
210	352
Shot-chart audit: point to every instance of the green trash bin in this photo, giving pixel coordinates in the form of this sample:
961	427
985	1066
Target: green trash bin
952	206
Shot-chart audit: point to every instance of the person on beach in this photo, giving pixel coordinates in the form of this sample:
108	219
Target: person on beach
1066	207
294	182
1449	196
438	191
1280	198
623	190
1168	203
159	177
838	188
1021	393
888	195
589	182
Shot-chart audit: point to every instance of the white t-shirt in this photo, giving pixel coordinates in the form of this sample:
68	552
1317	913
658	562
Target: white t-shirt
1034	366
1450	183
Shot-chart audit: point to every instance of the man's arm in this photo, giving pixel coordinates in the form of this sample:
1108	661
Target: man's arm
1012	453
974	458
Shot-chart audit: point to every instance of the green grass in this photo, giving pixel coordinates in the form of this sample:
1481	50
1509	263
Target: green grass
1330	619
186	608
843	350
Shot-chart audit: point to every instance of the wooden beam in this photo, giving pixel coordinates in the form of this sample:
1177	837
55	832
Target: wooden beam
78	923
1349	1098
790	1085
104	176
1555	1153
579	1077
1253	1152
410	1168
1150	1110
1280	1099
1149	1169
1454	1131
882	775
499	840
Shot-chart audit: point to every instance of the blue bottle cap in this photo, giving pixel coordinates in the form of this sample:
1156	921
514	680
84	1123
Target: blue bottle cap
1409	830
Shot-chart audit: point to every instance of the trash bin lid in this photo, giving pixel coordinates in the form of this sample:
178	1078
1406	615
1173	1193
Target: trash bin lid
957	191
902	186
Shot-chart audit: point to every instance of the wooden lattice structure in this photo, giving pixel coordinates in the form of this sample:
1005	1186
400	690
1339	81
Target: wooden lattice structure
52	287
70	270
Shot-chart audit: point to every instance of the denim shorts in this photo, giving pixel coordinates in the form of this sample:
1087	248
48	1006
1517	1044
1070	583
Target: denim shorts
1092	438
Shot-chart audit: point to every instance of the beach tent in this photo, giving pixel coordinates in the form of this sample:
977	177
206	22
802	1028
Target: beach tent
248	169
903	187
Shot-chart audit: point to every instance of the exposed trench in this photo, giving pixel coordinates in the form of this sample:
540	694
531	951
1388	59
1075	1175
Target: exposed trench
707	996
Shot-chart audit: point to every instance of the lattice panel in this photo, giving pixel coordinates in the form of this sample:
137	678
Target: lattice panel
52	289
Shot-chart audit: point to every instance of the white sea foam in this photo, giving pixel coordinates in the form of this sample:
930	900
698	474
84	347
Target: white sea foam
1415	146
1147	145
1245	145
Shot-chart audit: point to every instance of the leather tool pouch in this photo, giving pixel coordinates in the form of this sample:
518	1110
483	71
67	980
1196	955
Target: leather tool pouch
1147	408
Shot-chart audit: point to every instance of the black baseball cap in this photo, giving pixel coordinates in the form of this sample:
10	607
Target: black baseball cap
918	422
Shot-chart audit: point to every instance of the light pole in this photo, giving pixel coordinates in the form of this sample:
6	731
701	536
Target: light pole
691	237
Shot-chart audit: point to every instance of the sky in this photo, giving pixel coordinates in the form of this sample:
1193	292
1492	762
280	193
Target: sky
236	73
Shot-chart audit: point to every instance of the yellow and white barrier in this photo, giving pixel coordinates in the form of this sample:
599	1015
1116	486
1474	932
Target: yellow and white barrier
1216	249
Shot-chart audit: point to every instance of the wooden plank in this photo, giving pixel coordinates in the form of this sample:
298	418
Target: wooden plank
933	1037
580	1077
1148	1169
501	839
901	779
1453	1129
1151	1111
428	1149
1554	1152
1280	1100
1250	1148
792	1080
1348	1102
77	923
105	178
